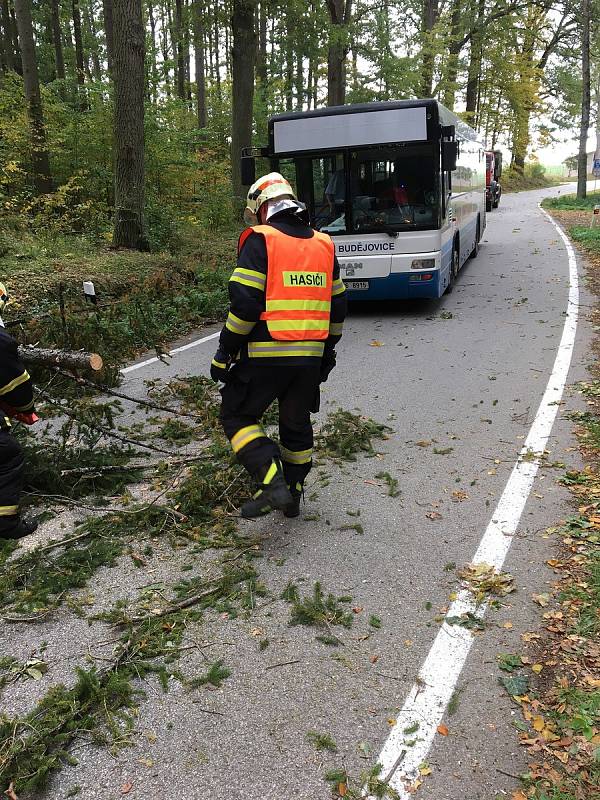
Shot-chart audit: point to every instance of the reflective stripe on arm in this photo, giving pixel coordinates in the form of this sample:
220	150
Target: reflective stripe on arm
237	325
336	328
338	287
249	277
14	383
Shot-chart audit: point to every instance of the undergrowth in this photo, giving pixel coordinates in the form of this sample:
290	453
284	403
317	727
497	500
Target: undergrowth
345	434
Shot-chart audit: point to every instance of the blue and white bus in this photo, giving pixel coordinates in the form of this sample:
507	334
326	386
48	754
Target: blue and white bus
399	186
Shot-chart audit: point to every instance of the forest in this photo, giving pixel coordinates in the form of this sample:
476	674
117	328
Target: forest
121	120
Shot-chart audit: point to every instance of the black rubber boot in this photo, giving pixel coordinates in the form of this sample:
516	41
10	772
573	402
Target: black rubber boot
20	529
273	493
293	509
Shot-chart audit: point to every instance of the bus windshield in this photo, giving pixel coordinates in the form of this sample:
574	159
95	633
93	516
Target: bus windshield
371	190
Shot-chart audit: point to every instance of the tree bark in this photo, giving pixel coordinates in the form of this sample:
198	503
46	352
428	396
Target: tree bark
153	54
340	15
474	71
92	34
15	37
128	76
107	11
585	100
59	60
9	53
79	57
198	22
178	48
39	153
60	358
430	17
454	48
243	63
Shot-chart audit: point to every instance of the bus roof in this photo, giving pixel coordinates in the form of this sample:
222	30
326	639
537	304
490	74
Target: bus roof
338	127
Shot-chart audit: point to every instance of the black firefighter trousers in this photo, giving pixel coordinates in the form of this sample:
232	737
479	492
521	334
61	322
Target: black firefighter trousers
12	461
248	393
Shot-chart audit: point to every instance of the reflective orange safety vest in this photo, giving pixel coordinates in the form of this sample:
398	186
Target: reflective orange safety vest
299	284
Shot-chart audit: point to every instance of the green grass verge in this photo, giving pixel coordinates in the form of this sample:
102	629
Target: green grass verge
570	202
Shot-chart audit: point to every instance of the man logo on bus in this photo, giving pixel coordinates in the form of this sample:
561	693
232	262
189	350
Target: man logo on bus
304	279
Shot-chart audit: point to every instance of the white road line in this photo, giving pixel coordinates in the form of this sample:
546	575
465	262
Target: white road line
428	698
155	359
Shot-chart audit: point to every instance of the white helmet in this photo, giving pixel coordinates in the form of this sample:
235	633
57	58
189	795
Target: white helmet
270	187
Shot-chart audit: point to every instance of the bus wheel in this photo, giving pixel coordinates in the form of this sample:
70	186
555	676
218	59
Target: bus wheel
475	251
454	267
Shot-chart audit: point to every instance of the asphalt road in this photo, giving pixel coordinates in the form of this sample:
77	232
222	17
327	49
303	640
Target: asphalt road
463	376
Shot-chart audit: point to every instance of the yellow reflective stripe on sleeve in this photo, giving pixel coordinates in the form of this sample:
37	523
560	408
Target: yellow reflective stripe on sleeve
298	305
249	277
246	435
296	456
237	325
336	328
298	325
338	287
219	364
8	511
14	383
285	349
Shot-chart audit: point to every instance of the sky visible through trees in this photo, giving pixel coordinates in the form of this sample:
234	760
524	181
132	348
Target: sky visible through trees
212	71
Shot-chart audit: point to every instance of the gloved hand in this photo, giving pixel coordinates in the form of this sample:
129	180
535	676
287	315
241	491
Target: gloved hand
327	364
219	366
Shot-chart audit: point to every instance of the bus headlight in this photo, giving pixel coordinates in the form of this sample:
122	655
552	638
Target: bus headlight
423	263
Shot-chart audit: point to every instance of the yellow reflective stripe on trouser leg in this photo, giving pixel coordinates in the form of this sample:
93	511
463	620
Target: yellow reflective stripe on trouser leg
246	435
237	325
9	511
296	456
271	473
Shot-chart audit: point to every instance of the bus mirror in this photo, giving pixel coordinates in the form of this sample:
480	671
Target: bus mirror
247	170
449	156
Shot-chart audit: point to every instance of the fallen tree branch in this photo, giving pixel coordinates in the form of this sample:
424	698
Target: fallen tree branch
60	358
114	393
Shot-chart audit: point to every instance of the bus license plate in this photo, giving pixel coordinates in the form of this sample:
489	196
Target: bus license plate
357	284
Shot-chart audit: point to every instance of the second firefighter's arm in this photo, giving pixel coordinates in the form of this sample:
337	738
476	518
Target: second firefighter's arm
339	308
16	390
246	295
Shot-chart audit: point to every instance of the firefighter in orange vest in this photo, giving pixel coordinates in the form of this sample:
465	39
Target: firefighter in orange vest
287	308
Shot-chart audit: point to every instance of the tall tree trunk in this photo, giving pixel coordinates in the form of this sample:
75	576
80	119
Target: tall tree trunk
340	14
7	35
474	70
59	60
299	81
164	44
198	21
92	36
454	48
178	48
261	61
289	59
128	76
15	36
217	53
153	54
79	57
187	54
107	11
243	62
585	100
39	153
430	18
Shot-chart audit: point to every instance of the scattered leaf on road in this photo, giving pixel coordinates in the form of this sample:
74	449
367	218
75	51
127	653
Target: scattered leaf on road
541	599
442	729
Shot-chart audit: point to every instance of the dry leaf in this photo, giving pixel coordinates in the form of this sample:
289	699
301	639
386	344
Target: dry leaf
127	787
375	343
507	625
538	723
357	609
423	443
391	721
541	599
458	496
146	761
342	789
10	792
374	659
433	515
537	668
442	729
518	795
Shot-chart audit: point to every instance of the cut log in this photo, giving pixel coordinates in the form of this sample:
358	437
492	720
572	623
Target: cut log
60	358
